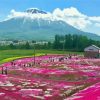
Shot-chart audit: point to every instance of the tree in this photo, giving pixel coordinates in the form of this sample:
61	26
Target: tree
57	44
11	46
27	45
33	41
68	42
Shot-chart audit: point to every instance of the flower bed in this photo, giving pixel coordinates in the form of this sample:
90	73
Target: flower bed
52	77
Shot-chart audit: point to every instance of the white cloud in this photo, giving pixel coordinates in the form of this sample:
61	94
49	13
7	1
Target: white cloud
95	19
69	15
97	24
73	17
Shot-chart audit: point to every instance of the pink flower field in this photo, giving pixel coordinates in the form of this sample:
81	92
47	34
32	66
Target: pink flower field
50	77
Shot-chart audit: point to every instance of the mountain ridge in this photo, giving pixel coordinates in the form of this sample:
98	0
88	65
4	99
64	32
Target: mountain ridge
35	11
38	27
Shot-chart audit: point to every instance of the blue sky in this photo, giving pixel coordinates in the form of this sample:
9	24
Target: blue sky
89	8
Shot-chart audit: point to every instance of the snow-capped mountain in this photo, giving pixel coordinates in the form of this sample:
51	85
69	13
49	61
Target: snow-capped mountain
35	24
35	11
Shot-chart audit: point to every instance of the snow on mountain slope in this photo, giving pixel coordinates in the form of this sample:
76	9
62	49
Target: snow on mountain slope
35	24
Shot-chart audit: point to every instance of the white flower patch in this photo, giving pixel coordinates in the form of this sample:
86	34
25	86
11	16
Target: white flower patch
6	84
1	93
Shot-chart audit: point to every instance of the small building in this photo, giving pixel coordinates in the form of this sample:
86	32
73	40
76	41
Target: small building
92	52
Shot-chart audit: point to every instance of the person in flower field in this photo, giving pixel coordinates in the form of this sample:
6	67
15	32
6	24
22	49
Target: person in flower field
4	70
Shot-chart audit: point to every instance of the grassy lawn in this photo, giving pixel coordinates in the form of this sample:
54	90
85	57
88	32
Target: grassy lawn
8	55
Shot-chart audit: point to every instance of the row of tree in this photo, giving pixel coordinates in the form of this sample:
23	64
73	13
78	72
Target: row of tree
67	42
73	42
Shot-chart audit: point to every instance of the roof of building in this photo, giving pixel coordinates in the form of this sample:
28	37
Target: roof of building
95	46
92	46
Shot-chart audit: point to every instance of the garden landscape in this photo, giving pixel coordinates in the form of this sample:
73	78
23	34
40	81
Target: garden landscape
49	50
50	77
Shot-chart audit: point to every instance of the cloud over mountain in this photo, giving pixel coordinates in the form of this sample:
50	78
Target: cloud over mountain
69	15
36	24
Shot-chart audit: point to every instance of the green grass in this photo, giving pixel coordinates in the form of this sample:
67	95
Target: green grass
8	55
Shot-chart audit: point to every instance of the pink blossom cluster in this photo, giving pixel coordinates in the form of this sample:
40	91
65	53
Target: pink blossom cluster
51	77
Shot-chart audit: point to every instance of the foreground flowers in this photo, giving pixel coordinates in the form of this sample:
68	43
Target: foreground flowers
53	77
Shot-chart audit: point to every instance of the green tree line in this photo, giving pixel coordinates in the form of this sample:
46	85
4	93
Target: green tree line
61	42
73	42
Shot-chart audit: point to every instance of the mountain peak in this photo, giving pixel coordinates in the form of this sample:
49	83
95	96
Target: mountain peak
35	11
